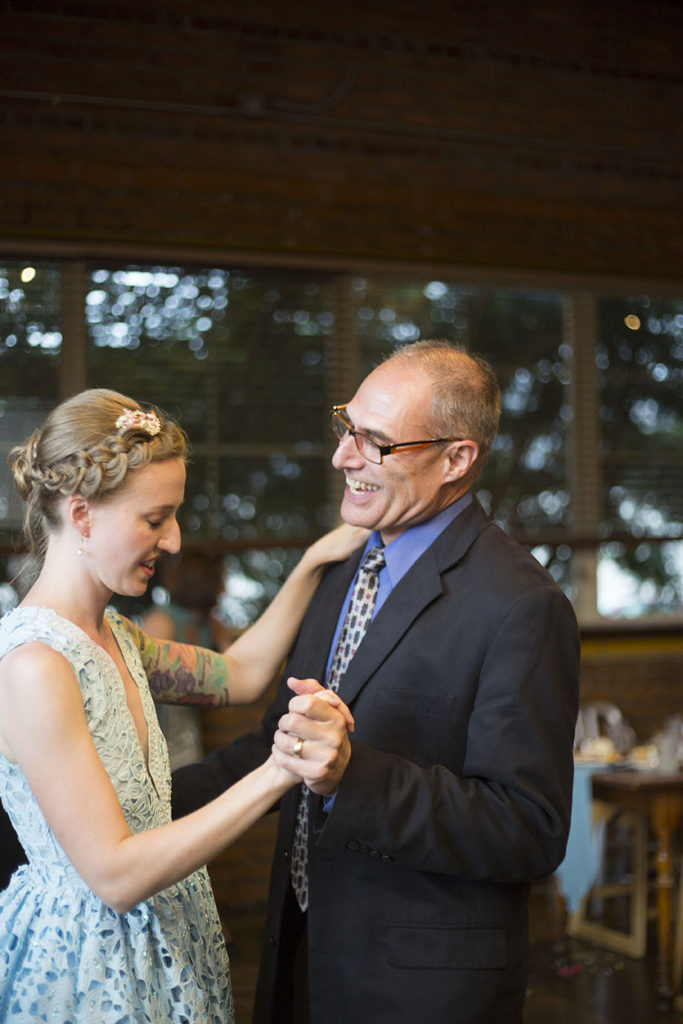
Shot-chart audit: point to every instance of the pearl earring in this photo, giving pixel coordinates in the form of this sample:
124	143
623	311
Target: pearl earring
81	546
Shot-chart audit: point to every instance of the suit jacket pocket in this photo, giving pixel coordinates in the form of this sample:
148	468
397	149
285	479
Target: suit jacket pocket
444	948
416	724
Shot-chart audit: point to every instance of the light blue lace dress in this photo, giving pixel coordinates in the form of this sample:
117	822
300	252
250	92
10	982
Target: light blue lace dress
65	956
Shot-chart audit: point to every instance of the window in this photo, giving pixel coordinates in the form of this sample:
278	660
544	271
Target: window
30	353
585	471
239	358
639	362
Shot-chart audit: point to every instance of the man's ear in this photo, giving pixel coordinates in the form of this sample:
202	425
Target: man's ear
461	456
78	514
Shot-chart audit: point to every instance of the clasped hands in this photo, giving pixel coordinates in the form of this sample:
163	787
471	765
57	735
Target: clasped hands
312	741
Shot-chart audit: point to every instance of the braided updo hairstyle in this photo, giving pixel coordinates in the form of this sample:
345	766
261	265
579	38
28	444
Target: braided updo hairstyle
80	450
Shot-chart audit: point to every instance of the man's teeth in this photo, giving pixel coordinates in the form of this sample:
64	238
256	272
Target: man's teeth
357	486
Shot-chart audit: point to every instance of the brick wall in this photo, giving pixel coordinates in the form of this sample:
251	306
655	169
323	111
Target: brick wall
527	136
641	674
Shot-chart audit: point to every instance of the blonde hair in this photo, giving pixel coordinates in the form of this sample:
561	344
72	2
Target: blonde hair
80	450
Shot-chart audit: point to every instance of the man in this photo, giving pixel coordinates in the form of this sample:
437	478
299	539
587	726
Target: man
453	793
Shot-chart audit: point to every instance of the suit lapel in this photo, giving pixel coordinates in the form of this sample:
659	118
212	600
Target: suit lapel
421	585
328	602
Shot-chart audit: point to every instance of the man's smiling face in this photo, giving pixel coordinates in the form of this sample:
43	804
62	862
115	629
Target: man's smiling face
392	405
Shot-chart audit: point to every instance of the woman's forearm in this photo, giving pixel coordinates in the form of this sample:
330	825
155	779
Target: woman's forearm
143	864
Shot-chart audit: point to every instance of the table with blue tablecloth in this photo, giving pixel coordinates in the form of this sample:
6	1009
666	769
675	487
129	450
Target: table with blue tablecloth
581	865
656	799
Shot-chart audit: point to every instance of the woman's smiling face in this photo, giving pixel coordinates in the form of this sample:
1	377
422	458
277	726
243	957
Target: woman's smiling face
131	529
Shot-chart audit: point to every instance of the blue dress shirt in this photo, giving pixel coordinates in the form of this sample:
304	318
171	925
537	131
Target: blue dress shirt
399	555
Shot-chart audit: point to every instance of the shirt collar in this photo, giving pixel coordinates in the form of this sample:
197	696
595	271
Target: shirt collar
401	553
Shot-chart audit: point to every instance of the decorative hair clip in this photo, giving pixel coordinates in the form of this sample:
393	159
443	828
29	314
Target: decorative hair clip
136	419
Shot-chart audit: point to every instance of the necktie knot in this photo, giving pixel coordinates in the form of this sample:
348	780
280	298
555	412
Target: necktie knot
373	560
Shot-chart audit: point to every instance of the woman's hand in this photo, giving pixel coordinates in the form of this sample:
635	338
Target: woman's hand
336	545
313	737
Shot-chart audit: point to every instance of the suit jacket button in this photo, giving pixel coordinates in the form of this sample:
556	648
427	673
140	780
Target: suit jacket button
352	845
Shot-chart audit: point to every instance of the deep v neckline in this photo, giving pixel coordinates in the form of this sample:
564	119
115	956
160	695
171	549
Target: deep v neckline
120	686
124	660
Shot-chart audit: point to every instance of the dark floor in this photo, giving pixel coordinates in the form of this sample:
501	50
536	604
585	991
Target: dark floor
583	985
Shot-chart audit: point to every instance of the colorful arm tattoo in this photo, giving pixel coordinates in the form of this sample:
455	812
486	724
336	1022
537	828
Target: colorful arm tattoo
182	673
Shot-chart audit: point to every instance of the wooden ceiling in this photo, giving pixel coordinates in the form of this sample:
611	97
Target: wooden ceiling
498	136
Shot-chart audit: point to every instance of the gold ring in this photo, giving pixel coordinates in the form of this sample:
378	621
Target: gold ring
297	747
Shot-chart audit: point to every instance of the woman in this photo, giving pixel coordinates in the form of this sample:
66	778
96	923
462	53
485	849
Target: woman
113	918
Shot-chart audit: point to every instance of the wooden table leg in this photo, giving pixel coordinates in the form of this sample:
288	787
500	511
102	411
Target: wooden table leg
664	819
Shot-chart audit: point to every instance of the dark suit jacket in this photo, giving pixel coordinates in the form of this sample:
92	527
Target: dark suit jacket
11	851
457	794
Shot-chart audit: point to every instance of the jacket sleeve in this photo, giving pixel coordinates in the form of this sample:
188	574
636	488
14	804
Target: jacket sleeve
194	785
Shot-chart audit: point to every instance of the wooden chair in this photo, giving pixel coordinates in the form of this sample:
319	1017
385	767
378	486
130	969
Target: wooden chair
583	924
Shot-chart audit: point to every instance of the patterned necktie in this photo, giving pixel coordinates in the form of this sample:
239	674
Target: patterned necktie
356	621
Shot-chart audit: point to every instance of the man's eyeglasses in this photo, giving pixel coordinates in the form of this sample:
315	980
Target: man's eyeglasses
371	450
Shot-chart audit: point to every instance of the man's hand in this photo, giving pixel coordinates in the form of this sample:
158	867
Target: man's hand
312	740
